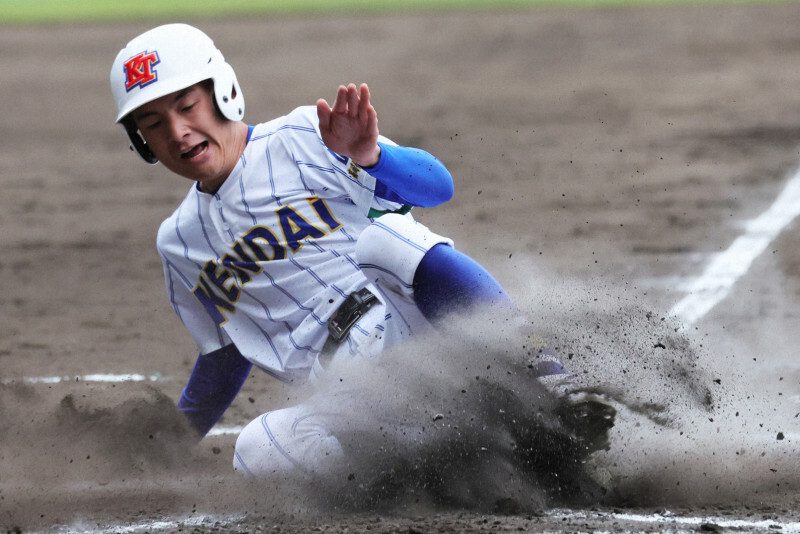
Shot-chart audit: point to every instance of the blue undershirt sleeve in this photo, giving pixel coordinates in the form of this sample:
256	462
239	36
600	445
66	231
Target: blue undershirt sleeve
215	381
411	176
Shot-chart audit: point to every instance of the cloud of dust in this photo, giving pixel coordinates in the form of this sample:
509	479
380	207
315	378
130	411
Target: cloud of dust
693	427
460	421
454	421
457	420
444	421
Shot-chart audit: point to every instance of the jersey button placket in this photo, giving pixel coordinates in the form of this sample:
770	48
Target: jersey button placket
220	223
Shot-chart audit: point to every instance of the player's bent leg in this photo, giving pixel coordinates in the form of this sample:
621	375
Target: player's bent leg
447	281
390	249
400	254
280	442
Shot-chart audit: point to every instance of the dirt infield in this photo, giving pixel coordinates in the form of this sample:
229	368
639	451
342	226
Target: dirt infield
600	158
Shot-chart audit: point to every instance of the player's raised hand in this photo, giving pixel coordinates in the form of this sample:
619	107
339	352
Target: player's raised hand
350	126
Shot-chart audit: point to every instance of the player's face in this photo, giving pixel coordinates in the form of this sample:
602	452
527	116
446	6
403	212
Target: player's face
188	135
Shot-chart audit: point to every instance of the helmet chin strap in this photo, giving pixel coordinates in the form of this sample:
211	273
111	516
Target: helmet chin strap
137	143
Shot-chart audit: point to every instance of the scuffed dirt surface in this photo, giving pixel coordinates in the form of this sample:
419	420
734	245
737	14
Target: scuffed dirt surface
599	157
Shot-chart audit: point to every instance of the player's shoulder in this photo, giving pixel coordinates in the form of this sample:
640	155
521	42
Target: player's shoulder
300	120
180	218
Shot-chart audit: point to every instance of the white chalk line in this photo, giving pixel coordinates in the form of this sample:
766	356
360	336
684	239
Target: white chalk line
665	519
689	521
726	267
97	377
221	430
165	525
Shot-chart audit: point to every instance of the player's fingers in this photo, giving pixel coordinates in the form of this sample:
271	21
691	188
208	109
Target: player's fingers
372	121
364	105
324	114
365	96
340	104
352	100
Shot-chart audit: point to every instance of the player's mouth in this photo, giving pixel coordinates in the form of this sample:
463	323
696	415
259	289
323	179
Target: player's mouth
195	151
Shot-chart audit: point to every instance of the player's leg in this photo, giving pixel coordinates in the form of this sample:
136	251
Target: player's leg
447	280
404	256
407	257
294	440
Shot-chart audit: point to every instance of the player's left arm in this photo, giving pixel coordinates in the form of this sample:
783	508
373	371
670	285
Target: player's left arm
216	379
350	128
416	176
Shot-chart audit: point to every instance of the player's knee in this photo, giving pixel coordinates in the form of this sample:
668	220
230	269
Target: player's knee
391	248
285	442
257	454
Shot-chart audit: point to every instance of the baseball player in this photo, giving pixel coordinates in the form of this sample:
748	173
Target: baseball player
294	245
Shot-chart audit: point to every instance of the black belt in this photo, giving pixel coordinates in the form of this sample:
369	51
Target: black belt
341	322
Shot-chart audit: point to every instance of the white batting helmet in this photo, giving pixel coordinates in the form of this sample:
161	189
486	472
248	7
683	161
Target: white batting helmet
164	60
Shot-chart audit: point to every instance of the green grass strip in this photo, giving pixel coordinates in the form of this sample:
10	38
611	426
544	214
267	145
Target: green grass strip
41	11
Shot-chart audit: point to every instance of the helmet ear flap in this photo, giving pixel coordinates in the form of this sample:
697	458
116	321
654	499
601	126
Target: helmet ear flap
228	94
138	144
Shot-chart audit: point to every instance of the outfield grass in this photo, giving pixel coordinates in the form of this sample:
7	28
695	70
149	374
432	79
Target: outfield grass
42	11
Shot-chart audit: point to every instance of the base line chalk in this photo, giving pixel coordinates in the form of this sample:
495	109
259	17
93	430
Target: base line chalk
726	267
97	377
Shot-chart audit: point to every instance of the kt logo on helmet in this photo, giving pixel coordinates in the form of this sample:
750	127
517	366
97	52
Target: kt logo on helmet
139	69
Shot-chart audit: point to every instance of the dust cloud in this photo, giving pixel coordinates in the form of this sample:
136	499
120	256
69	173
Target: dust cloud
457	421
446	421
695	426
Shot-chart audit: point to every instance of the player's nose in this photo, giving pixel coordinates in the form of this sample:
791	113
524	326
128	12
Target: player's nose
178	128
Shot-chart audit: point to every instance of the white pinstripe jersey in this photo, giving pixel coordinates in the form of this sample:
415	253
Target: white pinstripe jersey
267	259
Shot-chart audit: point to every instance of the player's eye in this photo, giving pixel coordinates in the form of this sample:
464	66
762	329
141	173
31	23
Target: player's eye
188	107
150	125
